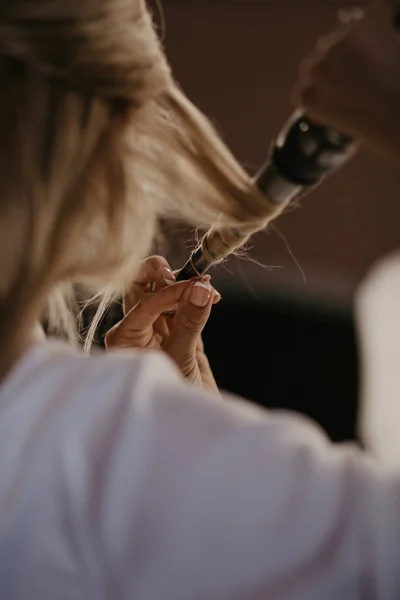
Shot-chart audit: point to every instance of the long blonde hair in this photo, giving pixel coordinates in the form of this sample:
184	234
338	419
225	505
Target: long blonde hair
98	142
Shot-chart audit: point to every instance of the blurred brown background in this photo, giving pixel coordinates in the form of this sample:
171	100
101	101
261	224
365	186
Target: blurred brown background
238	61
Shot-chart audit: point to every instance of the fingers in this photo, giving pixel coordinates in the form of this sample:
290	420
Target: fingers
321	71
324	87
157	269
216	296
136	327
349	15
190	319
154	269
151	306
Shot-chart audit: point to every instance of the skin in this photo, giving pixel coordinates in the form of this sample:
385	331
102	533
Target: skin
159	314
351	81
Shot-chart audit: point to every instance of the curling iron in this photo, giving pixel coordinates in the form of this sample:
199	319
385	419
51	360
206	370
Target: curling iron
301	157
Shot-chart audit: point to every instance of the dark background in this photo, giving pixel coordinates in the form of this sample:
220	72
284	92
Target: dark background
282	337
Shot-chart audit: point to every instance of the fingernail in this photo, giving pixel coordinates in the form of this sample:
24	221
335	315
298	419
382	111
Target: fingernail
200	294
168	276
202	278
217	296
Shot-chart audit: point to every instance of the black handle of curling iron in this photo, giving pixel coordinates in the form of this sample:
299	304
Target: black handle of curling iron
300	158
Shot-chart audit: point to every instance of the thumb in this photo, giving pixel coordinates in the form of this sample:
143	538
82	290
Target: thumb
190	319
144	314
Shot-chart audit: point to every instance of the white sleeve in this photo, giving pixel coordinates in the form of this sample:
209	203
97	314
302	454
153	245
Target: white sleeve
378	316
195	498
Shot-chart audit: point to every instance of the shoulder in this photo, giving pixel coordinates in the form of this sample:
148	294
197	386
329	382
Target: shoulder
136	403
102	374
71	393
145	384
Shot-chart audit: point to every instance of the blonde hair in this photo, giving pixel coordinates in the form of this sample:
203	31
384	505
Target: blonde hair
98	142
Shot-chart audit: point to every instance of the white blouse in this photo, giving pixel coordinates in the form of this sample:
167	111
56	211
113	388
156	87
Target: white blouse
120	481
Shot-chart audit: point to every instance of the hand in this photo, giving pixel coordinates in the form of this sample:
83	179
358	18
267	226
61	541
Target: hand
160	313
351	82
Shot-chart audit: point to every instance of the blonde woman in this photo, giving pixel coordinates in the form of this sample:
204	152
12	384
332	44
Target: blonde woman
118	478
